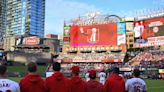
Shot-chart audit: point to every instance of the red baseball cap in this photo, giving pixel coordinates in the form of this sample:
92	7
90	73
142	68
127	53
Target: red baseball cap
92	73
75	69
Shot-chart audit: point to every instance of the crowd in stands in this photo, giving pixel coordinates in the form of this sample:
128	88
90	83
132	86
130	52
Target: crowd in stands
87	66
151	64
149	59
92	56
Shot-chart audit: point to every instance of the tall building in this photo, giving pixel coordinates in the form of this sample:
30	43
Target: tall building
2	20
25	17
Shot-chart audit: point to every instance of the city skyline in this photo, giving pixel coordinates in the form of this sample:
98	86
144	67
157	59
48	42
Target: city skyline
24	17
57	11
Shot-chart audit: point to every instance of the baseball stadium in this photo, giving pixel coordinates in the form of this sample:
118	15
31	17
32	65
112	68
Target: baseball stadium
100	42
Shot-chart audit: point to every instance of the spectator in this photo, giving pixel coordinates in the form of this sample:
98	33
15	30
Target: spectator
92	84
32	82
57	82
136	84
76	83
114	83
6	84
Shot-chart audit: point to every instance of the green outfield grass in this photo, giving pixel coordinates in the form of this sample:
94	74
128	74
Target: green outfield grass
153	85
22	69
15	79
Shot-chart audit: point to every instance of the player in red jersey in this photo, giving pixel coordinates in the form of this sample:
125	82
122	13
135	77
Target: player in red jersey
114	83
76	83
92	84
32	82
57	82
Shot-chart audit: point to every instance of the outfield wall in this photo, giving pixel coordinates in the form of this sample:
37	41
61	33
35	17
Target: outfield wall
22	57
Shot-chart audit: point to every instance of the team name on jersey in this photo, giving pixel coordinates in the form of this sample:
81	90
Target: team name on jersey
4	85
137	83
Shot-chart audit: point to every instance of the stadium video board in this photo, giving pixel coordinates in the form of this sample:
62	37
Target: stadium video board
149	32
93	35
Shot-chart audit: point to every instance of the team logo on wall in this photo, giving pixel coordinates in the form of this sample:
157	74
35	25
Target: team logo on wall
155	29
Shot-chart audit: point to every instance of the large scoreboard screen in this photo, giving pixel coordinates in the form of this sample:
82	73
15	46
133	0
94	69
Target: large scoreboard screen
93	35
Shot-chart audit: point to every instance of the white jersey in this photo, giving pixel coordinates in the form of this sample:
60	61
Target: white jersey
93	35
135	85
7	85
102	76
87	77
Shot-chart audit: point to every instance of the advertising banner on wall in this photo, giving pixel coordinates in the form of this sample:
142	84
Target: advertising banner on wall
67	31
19	41
86	61
121	39
113	60
66	39
161	71
152	41
121	33
129	26
102	34
108	60
31	40
121	28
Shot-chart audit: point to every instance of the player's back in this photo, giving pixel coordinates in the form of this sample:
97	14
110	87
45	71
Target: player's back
57	83
7	85
136	85
102	75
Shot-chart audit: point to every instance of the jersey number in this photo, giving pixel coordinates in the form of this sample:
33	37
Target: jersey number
137	89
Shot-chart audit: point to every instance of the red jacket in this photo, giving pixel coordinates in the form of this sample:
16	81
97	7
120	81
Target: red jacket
32	83
114	83
94	86
57	83
77	84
